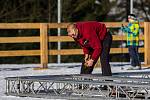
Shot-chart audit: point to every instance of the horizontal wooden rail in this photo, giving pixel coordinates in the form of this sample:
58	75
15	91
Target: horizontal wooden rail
19	25
60	39
50	38
59	52
54	25
119	37
79	51
108	25
69	39
19	39
19	53
123	50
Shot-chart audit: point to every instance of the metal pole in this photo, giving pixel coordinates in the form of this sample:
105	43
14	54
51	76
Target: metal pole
131	6
59	21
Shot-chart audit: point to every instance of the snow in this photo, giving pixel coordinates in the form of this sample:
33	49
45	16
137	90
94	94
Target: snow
25	70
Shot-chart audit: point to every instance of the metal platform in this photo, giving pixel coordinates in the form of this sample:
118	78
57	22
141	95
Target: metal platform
120	86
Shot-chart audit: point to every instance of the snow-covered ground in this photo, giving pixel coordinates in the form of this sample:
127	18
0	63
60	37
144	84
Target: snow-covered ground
25	70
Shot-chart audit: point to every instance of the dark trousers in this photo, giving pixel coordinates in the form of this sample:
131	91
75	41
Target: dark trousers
104	58
133	52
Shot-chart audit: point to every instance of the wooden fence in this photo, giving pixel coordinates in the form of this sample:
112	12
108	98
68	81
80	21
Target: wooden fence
44	39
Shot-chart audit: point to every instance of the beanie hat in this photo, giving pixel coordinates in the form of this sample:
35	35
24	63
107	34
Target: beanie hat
132	16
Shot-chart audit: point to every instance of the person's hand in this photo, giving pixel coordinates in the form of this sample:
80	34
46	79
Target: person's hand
122	28
86	57
89	62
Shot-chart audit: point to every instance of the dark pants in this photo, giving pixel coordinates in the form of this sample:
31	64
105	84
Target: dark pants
104	58
133	52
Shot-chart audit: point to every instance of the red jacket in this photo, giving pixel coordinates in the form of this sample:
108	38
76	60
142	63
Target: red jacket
90	36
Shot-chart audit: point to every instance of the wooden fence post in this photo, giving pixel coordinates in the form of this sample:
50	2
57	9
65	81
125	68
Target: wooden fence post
147	43
44	45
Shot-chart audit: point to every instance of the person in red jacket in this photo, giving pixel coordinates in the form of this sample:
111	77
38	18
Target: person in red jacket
95	40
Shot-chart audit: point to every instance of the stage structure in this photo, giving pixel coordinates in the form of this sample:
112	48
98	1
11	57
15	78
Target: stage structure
120	86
